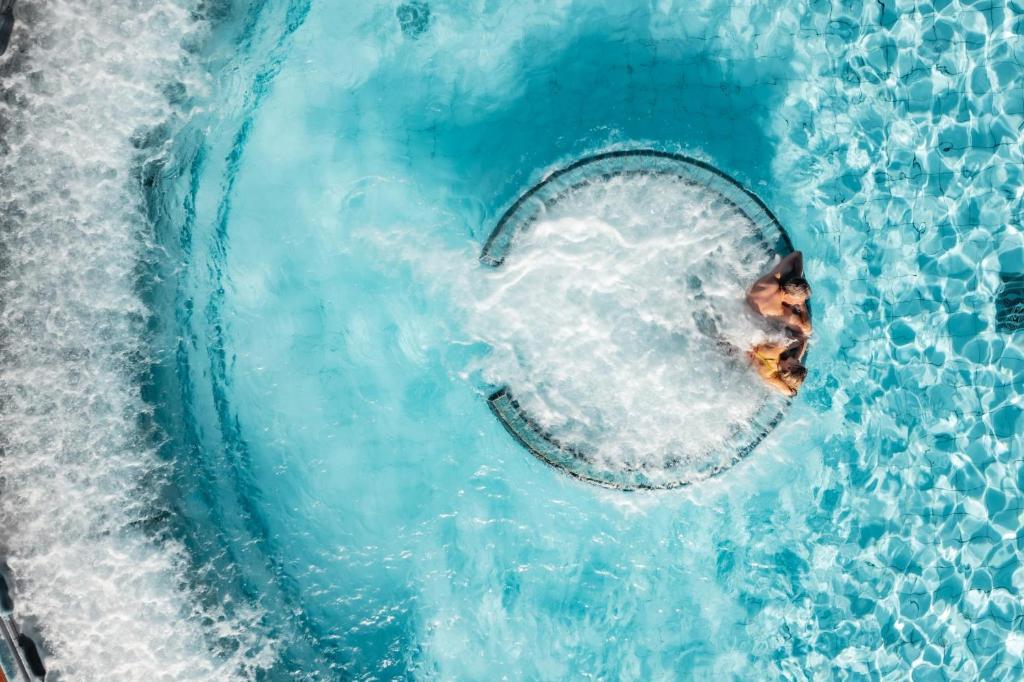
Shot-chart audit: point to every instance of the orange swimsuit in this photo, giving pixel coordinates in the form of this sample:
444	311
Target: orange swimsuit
772	363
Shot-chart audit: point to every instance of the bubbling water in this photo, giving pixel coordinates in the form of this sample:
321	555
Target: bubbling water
79	476
618	320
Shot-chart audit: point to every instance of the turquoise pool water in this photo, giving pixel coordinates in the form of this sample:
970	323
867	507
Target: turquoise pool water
326	493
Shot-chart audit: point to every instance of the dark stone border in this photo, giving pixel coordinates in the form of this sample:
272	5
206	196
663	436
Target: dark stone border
6	23
526	430
22	651
494	250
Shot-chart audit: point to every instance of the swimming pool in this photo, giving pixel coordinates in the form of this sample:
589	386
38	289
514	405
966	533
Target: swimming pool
244	377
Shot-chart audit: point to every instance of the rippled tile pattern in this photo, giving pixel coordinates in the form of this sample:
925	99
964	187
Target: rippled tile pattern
906	143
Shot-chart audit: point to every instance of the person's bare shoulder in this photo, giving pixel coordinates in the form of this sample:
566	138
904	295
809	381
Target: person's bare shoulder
761	291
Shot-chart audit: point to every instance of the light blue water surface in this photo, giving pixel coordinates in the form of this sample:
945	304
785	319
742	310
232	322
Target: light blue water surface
336	463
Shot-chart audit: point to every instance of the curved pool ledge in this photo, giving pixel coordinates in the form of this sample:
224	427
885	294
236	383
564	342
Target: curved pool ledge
577	460
21	656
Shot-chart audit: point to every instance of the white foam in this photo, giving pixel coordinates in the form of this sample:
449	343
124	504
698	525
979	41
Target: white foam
595	321
78	476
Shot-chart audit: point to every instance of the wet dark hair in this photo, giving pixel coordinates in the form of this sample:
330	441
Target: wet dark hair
793	373
797	286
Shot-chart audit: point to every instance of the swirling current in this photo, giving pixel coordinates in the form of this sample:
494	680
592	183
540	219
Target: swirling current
246	343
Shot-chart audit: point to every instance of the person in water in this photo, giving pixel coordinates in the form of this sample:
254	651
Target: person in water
779	364
782	295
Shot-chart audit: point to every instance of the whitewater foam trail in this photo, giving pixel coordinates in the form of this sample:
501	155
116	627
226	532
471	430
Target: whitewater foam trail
79	475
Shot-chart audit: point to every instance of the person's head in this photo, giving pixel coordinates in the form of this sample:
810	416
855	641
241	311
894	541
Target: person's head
796	290
793	374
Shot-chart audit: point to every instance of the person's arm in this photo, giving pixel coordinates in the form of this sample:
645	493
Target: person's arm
789	267
797	350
